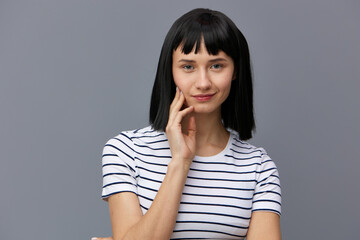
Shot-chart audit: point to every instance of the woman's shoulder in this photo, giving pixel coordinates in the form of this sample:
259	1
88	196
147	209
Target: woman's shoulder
241	147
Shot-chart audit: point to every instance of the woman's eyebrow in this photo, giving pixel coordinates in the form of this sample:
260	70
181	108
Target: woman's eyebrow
212	60
186	60
218	59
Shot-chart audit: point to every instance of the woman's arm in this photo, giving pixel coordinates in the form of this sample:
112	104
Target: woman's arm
158	223
264	226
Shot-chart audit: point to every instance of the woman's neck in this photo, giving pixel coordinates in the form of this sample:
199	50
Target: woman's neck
211	135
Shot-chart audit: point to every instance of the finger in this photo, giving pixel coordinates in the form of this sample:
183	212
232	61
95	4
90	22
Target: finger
173	103
181	114
176	107
191	134
176	97
192	127
179	103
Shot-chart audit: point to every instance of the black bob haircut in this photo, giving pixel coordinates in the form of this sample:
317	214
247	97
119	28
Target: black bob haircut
219	33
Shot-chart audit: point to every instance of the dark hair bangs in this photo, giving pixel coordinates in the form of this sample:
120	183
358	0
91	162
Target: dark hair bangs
208	28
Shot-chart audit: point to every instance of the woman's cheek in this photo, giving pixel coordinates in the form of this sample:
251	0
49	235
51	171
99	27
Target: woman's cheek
186	103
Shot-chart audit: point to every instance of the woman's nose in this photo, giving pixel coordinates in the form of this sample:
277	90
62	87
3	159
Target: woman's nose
203	81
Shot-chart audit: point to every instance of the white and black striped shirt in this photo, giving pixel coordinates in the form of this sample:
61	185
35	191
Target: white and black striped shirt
220	193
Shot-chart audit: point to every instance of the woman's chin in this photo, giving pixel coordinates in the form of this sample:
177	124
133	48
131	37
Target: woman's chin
203	110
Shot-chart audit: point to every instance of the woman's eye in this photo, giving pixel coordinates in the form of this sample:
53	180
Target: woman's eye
188	67
216	66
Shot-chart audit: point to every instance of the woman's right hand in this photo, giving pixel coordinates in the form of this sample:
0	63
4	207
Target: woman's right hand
181	135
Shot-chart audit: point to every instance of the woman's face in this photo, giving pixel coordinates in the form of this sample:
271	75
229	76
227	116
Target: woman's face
204	79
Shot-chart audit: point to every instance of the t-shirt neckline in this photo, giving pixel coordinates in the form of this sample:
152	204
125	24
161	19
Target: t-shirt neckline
221	153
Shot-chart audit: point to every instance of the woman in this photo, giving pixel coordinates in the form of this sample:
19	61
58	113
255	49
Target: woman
191	175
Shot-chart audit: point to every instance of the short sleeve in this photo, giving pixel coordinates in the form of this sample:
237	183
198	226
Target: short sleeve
118	166
267	195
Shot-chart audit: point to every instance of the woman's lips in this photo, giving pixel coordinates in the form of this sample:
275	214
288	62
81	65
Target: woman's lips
203	97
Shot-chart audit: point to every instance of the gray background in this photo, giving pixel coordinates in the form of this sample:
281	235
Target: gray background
75	73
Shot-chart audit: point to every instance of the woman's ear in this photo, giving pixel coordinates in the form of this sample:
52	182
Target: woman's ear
234	75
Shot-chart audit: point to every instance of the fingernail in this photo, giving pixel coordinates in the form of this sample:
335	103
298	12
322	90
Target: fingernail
177	88
94	238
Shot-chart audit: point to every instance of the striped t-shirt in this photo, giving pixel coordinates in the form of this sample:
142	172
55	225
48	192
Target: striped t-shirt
220	192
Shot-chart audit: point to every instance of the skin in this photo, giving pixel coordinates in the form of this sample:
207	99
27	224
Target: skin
204	74
190	119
